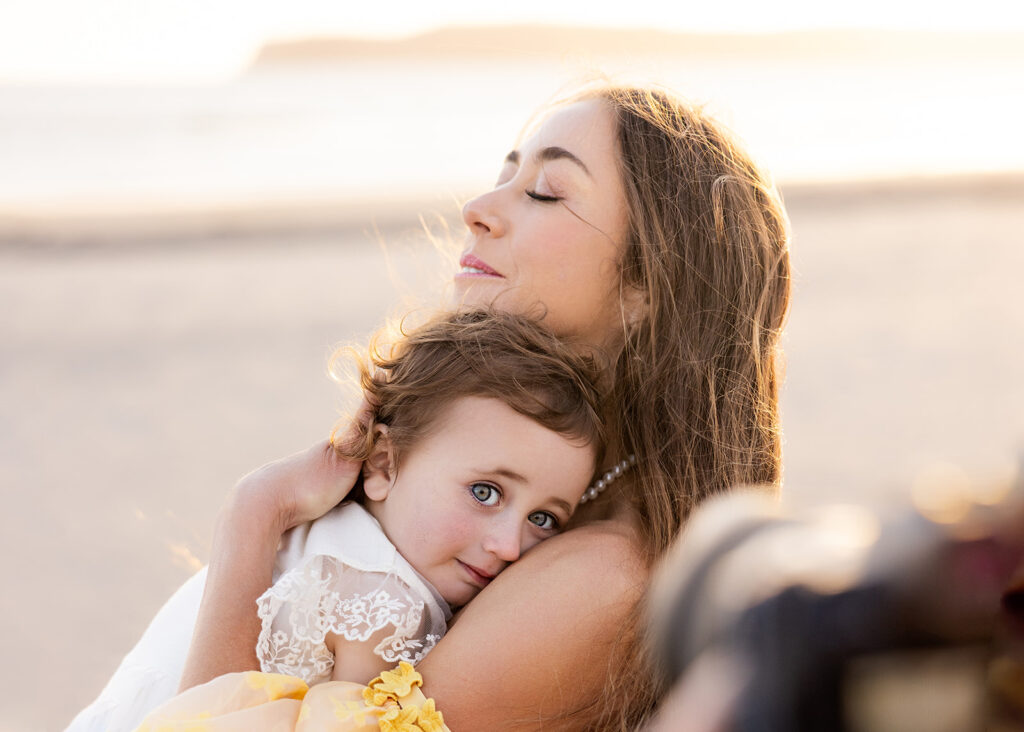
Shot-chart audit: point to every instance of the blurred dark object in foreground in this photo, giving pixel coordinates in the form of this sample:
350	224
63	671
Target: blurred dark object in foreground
843	618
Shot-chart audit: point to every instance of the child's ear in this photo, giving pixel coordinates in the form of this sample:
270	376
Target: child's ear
379	468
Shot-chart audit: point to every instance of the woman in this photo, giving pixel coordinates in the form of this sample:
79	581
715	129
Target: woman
639	231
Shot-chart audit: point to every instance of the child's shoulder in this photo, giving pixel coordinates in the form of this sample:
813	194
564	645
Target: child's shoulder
346	550
347	532
340	577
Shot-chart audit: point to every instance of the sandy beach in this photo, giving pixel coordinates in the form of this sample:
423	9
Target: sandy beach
145	366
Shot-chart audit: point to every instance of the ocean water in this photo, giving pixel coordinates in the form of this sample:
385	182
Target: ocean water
367	130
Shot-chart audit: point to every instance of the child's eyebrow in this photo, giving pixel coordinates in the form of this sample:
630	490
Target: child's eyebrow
562	504
508	473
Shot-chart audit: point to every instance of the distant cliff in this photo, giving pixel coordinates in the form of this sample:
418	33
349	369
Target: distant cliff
553	41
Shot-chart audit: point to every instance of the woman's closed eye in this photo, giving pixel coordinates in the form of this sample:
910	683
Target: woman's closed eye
543	520
485	494
541	197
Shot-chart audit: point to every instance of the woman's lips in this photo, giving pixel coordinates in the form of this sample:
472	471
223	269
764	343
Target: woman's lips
476	575
472	266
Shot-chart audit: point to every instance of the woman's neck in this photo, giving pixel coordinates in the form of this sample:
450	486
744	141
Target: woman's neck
612	505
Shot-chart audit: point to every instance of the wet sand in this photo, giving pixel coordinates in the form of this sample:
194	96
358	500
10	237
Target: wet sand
143	370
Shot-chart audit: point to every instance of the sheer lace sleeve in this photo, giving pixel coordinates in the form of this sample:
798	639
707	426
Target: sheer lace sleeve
325	595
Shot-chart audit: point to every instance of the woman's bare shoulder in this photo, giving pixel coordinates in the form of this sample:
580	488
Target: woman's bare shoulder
609	547
609	534
537	643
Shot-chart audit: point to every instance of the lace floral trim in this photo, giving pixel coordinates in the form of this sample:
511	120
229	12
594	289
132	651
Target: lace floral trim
315	608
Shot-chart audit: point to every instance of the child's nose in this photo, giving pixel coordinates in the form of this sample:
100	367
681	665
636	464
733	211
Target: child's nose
505	541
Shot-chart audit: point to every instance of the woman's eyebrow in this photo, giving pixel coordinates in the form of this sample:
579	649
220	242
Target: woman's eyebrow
550	153
560	153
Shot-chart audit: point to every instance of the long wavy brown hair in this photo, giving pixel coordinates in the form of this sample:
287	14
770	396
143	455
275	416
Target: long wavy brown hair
696	386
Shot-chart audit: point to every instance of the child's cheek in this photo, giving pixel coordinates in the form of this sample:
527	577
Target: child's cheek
456	534
459	533
448	534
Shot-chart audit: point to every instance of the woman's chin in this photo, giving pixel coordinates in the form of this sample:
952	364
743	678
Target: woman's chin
476	291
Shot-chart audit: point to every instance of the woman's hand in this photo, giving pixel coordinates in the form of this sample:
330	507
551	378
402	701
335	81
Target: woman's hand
303	486
296	489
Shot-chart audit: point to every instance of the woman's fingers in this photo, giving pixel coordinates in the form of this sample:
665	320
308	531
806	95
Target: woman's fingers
300	487
321	480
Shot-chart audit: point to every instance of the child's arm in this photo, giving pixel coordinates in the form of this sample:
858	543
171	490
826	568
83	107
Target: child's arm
355	660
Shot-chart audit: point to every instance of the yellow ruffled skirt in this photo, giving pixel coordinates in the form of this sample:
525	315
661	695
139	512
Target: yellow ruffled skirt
259	702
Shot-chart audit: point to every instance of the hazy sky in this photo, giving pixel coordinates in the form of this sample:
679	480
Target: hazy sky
148	40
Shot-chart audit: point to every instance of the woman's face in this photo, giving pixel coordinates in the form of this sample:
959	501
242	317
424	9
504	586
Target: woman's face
549	237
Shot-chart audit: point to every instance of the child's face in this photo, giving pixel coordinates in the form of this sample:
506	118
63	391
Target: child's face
484	486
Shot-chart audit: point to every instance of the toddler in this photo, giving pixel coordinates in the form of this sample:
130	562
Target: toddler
484	434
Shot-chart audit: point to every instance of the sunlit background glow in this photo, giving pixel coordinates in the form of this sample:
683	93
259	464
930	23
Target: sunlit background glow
147	40
188	224
139	105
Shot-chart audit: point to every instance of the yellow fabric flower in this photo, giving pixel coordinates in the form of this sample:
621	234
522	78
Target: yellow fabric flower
400	720
401	680
392	685
376	697
430	718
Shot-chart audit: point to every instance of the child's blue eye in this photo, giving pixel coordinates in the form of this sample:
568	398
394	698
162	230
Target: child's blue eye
485	493
543	520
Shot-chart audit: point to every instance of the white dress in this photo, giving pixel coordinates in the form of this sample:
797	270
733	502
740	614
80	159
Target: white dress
341	575
337	574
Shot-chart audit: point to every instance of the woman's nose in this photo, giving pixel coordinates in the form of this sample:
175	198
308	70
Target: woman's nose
482	216
505	541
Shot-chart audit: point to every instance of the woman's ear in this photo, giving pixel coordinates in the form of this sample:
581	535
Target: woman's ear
379	468
634	305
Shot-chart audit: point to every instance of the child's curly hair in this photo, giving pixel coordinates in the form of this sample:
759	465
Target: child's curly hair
409	381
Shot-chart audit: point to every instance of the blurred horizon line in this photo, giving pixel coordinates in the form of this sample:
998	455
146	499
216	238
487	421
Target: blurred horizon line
497	41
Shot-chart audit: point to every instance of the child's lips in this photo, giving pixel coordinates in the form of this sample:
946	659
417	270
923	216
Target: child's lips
477	576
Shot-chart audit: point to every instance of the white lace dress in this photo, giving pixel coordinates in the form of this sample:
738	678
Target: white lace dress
341	575
337	574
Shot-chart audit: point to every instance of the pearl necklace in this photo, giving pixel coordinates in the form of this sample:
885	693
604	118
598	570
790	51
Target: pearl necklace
608	478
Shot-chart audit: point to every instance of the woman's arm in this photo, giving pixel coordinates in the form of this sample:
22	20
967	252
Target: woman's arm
535	645
263	505
538	643
241	563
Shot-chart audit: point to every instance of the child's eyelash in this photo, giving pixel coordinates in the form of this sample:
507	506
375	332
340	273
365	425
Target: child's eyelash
541	197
